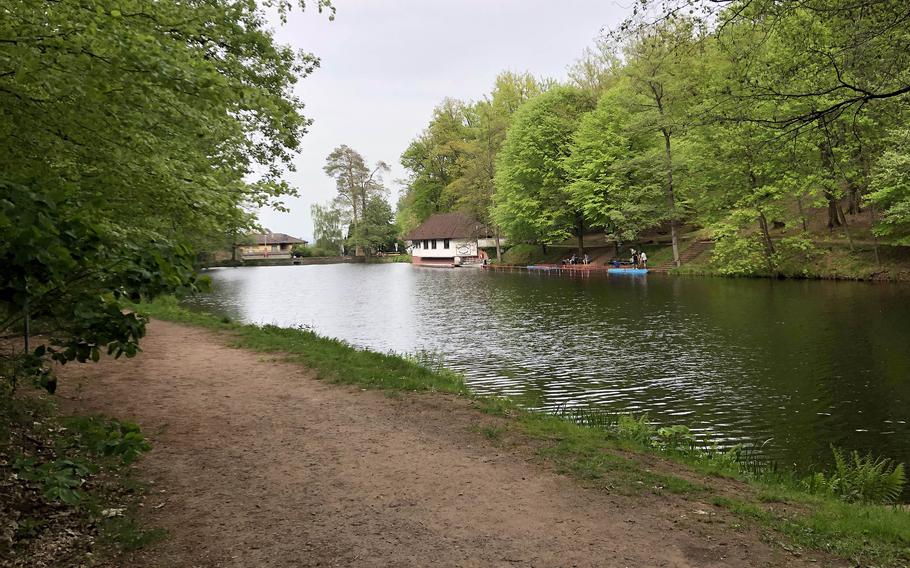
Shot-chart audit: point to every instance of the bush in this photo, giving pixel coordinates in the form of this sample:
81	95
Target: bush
736	254
112	438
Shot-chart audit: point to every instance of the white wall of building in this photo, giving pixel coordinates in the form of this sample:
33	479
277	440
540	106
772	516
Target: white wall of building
457	247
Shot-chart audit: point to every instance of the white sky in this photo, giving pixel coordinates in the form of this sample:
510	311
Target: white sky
387	63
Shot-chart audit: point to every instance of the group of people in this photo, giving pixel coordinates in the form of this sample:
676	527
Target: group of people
639	260
575	260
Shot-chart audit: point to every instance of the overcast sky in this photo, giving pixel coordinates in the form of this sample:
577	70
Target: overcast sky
387	63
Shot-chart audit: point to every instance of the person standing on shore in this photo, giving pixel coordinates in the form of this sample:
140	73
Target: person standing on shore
643	259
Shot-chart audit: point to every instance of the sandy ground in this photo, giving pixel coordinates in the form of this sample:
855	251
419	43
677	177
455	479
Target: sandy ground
256	463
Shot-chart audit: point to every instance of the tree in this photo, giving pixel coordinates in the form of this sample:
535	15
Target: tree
130	132
615	170
378	231
891	188
435	160
356	183
532	201
328	227
824	58
452	163
663	72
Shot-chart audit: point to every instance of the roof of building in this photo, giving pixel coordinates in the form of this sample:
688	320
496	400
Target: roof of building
449	226
275	239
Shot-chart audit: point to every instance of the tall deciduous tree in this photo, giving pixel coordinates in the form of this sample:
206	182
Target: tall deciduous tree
129	130
328	227
356	182
532	199
616	171
664	75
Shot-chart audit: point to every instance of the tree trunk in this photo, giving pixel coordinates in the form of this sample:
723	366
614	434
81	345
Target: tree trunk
878	261
580	231
26	331
802	213
766	238
843	219
826	154
498	249
833	217
853	204
671	198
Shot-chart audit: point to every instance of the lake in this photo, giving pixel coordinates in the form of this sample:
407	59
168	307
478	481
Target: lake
792	366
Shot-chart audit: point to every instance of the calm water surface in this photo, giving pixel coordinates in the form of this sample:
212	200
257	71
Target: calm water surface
796	365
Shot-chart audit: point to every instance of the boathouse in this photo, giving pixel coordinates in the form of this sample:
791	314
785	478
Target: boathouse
449	239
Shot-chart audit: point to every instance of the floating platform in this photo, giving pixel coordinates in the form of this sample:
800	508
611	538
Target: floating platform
630	271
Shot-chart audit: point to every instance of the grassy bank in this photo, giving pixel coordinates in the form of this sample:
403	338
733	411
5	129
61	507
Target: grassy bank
825	259
611	452
67	493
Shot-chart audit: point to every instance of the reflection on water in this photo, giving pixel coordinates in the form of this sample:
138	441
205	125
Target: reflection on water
802	364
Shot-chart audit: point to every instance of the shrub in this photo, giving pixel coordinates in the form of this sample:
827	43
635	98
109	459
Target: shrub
113	438
60	480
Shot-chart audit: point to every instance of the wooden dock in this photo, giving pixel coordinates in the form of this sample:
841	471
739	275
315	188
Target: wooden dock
568	269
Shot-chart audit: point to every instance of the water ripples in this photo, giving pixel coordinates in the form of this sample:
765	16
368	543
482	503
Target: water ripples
738	361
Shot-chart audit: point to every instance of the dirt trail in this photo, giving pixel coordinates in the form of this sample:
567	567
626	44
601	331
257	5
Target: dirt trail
255	463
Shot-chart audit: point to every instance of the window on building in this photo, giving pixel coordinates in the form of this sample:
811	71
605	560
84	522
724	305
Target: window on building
425	245
445	243
434	243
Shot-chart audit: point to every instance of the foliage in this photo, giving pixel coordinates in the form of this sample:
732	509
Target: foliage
360	203
57	477
616	183
110	437
378	231
531	201
328	228
132	132
676	439
60	480
452	163
71	272
735	253
891	188
862	479
745	118
635	429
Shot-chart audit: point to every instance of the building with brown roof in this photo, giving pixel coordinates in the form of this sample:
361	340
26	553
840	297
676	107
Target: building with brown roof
268	245
448	239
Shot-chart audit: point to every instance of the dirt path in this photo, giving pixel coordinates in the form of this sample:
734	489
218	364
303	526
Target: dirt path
255	463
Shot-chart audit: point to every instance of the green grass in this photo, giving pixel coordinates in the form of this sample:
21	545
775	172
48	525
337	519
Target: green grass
606	451
332	360
525	254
